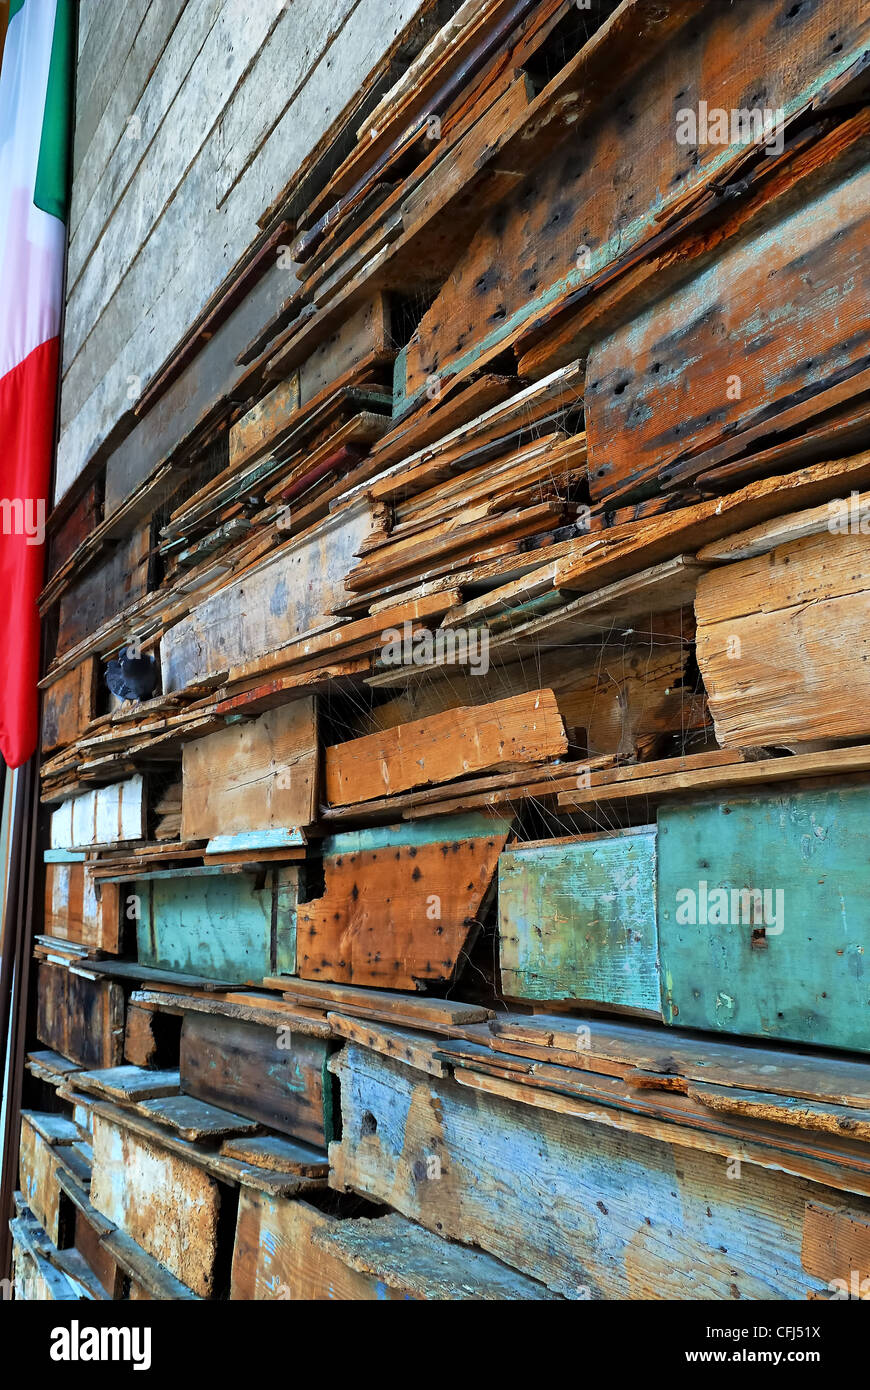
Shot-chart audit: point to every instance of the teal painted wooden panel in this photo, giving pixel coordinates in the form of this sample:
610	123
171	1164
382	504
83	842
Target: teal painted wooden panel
577	920
220	925
782	952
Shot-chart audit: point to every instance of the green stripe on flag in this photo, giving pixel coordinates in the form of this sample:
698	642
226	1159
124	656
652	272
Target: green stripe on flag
14	7
52	172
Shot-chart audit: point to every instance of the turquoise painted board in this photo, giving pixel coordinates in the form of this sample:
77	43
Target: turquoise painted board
577	920
237	927
764	916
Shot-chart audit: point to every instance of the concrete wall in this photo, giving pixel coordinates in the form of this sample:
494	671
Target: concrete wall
191	118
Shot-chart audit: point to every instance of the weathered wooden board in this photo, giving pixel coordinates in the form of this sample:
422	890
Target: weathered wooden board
252	435
81	519
576	215
365	332
400	904
261	430
247	151
87	1232
151	1037
647	1054
773	320
34	1278
291	594
237	927
113	583
836	1247
168	1205
278	1154
418	1264
257	775
782	643
611	1213
278	1078
522	729
407	1009
77	909
38	1172
68	705
104	816
764	916
275	1256
196	1120
610	697
130	1083
200	390
79	1017
577	920
851	1123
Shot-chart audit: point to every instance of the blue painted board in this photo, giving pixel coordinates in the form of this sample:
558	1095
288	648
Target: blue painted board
592	1210
764	916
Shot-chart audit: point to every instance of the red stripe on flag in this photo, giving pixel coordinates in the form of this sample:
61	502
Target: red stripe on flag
27	400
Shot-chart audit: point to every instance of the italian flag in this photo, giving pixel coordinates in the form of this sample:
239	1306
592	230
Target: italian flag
35	96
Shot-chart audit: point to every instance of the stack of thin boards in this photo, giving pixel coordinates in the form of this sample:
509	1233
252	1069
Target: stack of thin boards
510	734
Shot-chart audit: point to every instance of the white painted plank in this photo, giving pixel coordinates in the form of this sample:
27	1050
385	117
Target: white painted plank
106	815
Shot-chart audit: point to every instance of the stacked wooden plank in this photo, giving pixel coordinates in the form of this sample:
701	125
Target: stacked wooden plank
502	806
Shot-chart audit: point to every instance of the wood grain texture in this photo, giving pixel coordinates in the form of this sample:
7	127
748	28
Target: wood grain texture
793	969
784	313
225	926
78	910
526	257
68	706
119	577
783	646
621	1048
276	1077
610	1214
522	729
836	1246
418	1264
83	1019
275	1256
577	920
38	1177
292	593
247	110
401	914
151	1037
104	816
166	1204
251	436
259	775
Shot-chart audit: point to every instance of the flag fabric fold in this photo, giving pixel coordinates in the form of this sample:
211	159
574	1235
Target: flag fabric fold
35	104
